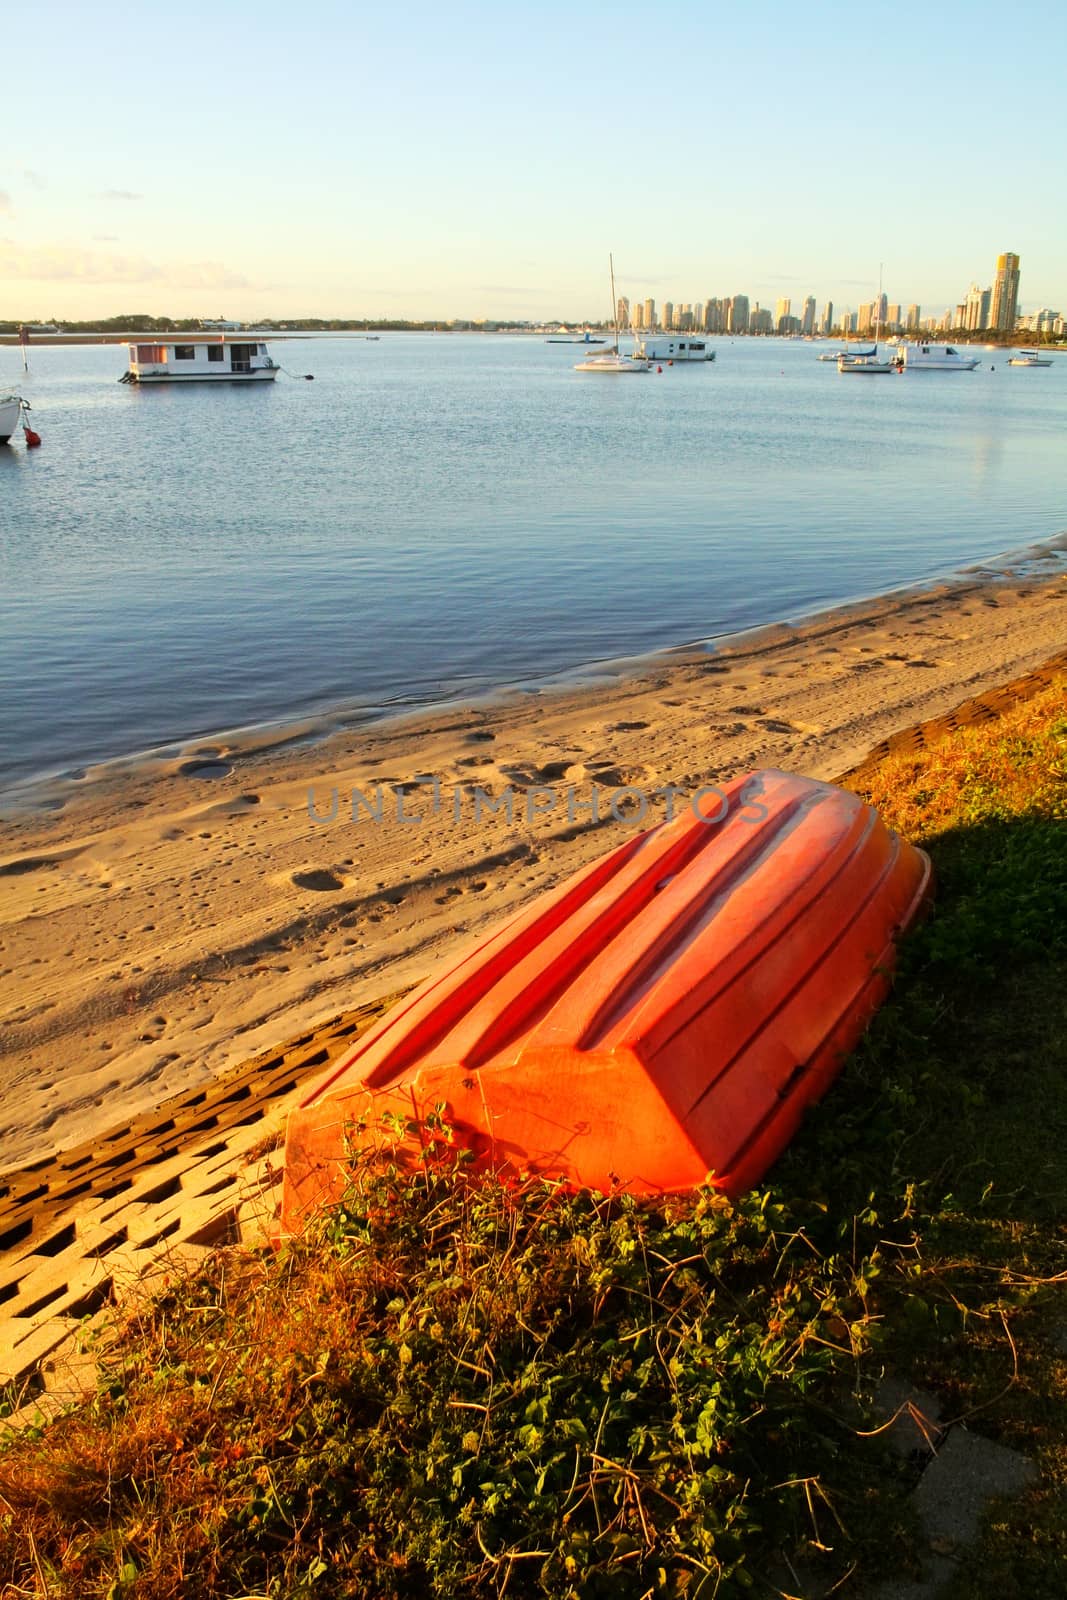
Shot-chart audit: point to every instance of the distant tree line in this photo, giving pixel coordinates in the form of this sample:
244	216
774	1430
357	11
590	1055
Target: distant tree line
141	322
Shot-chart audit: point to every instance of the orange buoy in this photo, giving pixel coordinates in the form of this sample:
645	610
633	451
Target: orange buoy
666	1014
32	439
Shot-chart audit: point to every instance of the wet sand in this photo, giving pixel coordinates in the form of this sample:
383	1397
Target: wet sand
164	922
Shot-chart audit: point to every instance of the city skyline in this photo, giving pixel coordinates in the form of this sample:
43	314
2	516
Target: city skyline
465	167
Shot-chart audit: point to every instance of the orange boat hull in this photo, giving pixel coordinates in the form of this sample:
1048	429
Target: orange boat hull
659	1020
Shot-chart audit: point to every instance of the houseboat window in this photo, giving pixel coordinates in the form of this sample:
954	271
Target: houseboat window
262	349
215	352
147	353
185	352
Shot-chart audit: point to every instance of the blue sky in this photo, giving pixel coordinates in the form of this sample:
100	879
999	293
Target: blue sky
259	158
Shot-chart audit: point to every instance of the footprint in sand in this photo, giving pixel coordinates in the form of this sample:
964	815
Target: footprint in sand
321	879
627	727
621	777
745	711
205	769
531	777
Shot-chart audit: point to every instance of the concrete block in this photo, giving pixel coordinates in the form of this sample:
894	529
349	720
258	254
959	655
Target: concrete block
967	1472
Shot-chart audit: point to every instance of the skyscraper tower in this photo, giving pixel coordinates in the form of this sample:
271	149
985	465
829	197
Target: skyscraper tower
807	325
1005	292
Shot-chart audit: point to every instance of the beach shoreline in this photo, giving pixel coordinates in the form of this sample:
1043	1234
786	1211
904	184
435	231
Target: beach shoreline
49	790
161	924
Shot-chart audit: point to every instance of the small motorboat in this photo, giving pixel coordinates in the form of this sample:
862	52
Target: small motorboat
11	406
659	1020
1029	358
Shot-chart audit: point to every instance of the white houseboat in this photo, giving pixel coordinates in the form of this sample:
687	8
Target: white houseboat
193	358
933	358
672	347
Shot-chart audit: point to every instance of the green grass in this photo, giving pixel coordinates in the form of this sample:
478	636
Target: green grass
474	1389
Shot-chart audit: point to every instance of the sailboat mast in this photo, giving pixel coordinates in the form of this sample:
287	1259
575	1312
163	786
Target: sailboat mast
614	301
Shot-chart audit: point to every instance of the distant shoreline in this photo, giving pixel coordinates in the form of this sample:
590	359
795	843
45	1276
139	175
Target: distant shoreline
132	335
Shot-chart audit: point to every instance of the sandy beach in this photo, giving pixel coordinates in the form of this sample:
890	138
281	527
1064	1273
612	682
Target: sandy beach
162	922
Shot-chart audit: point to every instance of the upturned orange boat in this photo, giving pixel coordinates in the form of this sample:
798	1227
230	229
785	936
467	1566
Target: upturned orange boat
659	1020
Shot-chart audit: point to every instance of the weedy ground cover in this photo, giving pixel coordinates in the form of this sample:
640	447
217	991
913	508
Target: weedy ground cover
477	1388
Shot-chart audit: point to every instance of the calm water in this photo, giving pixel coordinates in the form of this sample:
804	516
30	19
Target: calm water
438	515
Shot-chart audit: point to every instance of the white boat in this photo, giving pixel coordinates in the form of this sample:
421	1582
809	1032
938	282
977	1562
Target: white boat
194	359
1030	358
867	361
672	347
933	358
10	415
869	364
611	361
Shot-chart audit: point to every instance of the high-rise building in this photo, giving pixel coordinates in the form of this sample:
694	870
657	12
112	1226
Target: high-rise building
826	326
913	320
760	320
650	315
781	312
807	324
739	314
892	318
865	320
622	311
976	310
881	311
1005	292
639	317
668	314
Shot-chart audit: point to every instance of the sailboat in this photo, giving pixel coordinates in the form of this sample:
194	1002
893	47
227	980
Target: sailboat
868	362
847	352
611	360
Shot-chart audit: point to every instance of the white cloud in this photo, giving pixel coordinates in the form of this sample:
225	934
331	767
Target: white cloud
63	263
119	194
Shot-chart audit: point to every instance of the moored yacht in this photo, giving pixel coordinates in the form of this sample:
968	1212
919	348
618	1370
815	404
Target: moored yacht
868	364
932	358
10	415
1029	358
611	361
193	358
